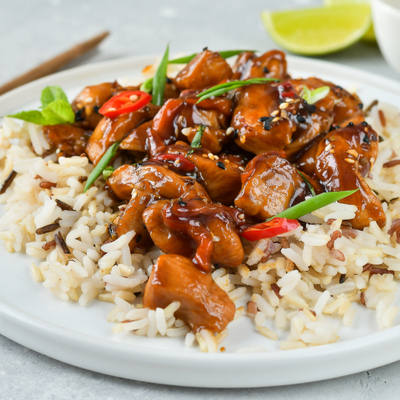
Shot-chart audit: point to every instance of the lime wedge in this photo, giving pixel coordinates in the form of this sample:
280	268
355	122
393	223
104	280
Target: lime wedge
317	31
370	34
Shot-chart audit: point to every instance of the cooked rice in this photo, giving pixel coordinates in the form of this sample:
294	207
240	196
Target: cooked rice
306	286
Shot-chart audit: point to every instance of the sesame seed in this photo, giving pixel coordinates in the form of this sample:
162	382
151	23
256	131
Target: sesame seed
176	131
243	139
350	160
79	105
241	216
352	152
221	165
328	147
88	110
134	194
289	100
226	161
180	119
300	118
205	155
235	133
284	114
216	158
274	113
267	126
366	129
88	100
177	162
372	160
350	124
276	119
186	131
229	130
332	151
181	203
211	156
265	70
133	98
265	119
364	123
241	168
112	109
283	106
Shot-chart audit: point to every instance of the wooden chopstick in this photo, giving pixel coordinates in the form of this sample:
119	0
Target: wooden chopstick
53	65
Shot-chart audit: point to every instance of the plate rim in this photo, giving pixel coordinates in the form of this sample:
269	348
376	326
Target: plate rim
16	319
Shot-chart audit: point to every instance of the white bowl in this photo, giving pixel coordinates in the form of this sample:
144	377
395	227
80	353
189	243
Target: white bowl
386	17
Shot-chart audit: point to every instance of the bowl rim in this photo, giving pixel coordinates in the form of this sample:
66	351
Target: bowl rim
388	6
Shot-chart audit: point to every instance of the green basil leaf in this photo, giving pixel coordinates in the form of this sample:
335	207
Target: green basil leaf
52	93
315	203
228	86
312	96
33	116
224	54
58	112
147	85
103	163
196	142
160	79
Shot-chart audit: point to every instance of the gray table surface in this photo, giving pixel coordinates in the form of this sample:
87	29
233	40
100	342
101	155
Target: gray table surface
34	31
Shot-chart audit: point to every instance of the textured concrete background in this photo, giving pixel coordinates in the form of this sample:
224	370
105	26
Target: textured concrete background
34	31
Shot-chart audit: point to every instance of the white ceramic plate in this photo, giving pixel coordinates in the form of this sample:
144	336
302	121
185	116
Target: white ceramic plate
81	336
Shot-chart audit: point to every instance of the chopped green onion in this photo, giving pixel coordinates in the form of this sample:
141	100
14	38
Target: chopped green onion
160	79
108	171
108	156
315	203
310	187
147	85
196	142
313	96
224	54
228	86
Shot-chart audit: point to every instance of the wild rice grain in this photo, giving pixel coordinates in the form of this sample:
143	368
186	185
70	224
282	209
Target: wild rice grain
61	243
8	182
63	206
47	228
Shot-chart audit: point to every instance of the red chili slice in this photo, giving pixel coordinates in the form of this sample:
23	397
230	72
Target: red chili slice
179	160
125	102
269	229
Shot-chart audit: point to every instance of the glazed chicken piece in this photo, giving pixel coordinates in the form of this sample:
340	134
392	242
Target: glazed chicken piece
206	69
221	180
241	64
212	139
69	139
256	130
339	103
109	131
175	115
89	101
152	181
270	185
343	158
271	64
208	231
203	304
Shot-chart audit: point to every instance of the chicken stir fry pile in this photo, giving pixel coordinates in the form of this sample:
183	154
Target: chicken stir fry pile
193	202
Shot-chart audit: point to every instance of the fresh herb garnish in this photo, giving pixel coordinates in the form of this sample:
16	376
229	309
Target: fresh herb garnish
315	203
159	80
312	96
196	142
55	109
228	86
147	85
103	163
310	187
224	54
